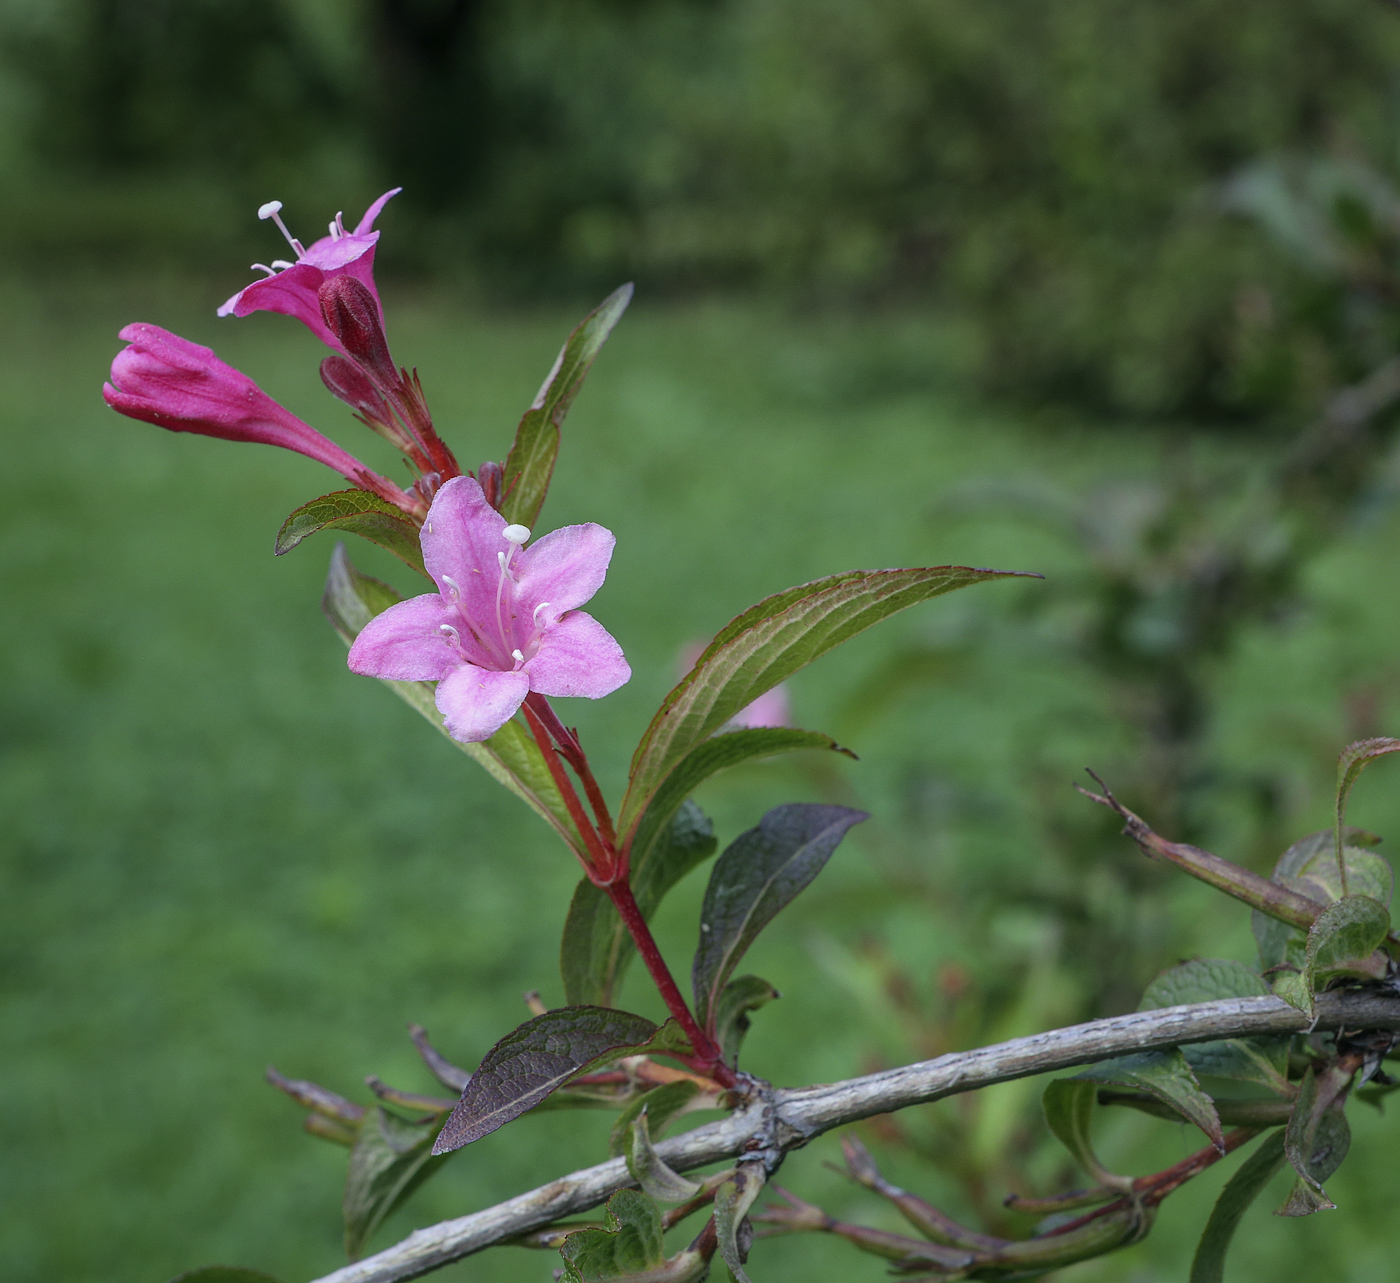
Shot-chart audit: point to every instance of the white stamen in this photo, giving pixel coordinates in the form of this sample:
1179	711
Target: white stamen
517	656
448	631
281	264
263	267
501	557
452	584
429	527
335	235
535	618
273	210
515	534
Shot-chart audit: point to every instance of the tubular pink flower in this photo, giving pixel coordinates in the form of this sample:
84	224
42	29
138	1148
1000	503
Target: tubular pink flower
504	621
291	288
163	379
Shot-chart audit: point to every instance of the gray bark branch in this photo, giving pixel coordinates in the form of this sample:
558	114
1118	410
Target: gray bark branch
806	1112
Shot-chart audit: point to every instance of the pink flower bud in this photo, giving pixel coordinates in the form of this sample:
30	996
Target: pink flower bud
351	313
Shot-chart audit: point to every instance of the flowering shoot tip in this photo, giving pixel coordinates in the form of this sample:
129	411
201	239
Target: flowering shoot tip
515	534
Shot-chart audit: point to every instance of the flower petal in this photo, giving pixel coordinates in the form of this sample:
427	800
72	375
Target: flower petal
404	644
476	702
366	224
292	292
578	656
461	537
565	568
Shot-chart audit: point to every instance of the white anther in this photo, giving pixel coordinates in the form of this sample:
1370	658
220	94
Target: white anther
273	210
263	267
517	656
501	557
448	631
535	618
335	233
281	264
452	584
429	527
515	534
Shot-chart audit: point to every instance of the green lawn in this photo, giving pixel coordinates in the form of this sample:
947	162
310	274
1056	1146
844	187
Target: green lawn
221	850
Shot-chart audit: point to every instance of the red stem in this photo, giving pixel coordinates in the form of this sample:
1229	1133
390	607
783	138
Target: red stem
573	753
603	858
707	1054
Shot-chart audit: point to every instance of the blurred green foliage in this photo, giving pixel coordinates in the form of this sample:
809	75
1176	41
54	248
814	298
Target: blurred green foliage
1056	179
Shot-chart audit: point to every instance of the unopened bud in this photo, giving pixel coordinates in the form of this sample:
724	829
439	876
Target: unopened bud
490	476
351	314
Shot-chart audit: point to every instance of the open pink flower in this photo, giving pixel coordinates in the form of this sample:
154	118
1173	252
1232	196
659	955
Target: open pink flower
163	379
504	621
293	288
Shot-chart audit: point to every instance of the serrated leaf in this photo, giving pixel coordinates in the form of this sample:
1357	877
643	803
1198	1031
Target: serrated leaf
541	1056
530	464
597	949
357	512
648	1168
1353	760
511	757
1167	1076
1316	1140
732	1202
663	1104
1258	1060
1345	936
1294	988
1244	1187
223	1274
766	644
740	996
628	1247
1069	1105
391	1158
758	875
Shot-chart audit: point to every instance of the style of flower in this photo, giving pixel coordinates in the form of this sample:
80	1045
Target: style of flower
163	379
505	620
293	288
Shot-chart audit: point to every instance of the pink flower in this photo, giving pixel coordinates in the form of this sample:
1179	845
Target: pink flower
163	379
293	288
504	621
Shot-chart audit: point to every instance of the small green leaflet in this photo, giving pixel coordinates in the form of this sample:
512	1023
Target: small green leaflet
1353	760
530	464
1256	1060
663	1104
766	644
511	756
1167	1076
1245	1186
1069	1105
758	875
740	996
390	1160
540	1057
628	1247
648	1168
358	512
1341	943
596	948
732	1202
1316	1140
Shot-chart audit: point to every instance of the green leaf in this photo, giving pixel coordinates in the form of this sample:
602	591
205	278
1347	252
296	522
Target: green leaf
740	996
1257	1060
391	1158
648	1168
1244	1187
758	875
732	1202
1316	1139
628	1247
530	463
597	949
541	1056
358	512
1167	1076
1342	942
511	756
1353	760
1069	1105
763	646
663	1104
223	1274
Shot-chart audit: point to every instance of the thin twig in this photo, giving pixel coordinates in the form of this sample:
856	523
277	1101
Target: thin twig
800	1115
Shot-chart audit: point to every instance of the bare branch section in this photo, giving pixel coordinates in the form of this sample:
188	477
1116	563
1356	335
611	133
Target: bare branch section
789	1119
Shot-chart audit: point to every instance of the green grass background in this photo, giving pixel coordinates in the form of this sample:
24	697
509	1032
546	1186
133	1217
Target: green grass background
221	850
